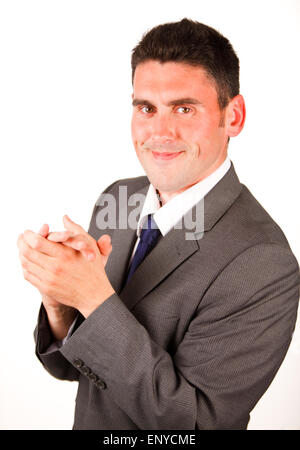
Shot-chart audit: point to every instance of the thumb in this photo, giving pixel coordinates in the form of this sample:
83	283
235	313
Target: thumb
72	226
104	244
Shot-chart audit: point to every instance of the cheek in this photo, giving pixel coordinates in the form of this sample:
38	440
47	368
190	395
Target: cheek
139	130
201	134
191	130
198	129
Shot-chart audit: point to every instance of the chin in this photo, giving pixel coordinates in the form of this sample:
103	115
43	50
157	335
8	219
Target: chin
165	182
166	187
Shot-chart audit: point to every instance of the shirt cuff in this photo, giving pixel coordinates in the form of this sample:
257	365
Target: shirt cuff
55	346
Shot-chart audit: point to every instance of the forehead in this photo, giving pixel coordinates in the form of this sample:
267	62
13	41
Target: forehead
153	78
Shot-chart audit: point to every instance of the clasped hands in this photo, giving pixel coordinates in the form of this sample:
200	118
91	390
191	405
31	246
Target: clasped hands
67	267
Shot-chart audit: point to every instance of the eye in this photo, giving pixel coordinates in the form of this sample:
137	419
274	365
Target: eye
146	109
183	109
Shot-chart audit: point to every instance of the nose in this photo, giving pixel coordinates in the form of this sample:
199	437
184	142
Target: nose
163	128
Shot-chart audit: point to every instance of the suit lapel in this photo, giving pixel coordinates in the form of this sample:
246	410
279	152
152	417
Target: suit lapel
220	198
123	241
169	253
122	246
171	250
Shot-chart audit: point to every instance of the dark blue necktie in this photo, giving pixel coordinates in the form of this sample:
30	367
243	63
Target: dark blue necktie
148	238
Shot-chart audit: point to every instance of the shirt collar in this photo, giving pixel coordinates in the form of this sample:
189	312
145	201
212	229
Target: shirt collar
170	213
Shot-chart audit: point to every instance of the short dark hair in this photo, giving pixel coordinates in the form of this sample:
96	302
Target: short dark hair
196	44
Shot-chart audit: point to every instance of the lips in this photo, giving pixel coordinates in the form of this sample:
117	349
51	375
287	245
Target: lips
165	155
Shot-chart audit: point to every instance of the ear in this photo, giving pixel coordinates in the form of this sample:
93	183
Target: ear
235	116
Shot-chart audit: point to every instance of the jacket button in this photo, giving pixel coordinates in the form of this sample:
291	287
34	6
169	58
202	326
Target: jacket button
100	384
78	363
93	377
85	370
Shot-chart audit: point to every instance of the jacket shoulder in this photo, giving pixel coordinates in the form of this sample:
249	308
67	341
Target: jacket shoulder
255	223
132	184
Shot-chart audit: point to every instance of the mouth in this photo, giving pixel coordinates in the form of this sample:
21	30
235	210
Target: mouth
165	156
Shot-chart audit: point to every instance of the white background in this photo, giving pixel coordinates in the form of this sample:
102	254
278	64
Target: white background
65	110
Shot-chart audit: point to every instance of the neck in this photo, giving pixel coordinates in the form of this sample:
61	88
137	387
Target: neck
164	197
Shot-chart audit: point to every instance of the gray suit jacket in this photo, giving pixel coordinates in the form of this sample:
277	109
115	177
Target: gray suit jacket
197	335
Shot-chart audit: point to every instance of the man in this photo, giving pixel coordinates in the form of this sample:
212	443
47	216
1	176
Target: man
179	333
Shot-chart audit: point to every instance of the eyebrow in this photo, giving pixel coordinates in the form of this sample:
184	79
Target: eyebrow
185	100
179	101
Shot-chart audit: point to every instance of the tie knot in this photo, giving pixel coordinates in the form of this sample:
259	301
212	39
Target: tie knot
150	231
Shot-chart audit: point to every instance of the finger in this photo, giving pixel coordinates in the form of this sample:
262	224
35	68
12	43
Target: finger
44	231
32	279
78	242
104	244
40	259
33	269
41	244
83	244
72	226
59	236
20	240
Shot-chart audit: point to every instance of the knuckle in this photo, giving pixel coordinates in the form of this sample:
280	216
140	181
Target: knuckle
79	242
90	244
66	235
26	235
24	263
56	271
36	242
26	274
25	252
65	255
83	246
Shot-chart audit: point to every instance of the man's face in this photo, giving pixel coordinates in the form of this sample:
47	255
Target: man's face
176	124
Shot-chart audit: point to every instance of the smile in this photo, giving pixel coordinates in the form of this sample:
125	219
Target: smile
165	156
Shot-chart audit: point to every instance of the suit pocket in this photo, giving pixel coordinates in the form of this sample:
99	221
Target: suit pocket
161	328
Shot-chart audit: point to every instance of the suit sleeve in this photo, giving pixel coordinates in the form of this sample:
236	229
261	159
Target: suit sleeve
229	355
54	362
